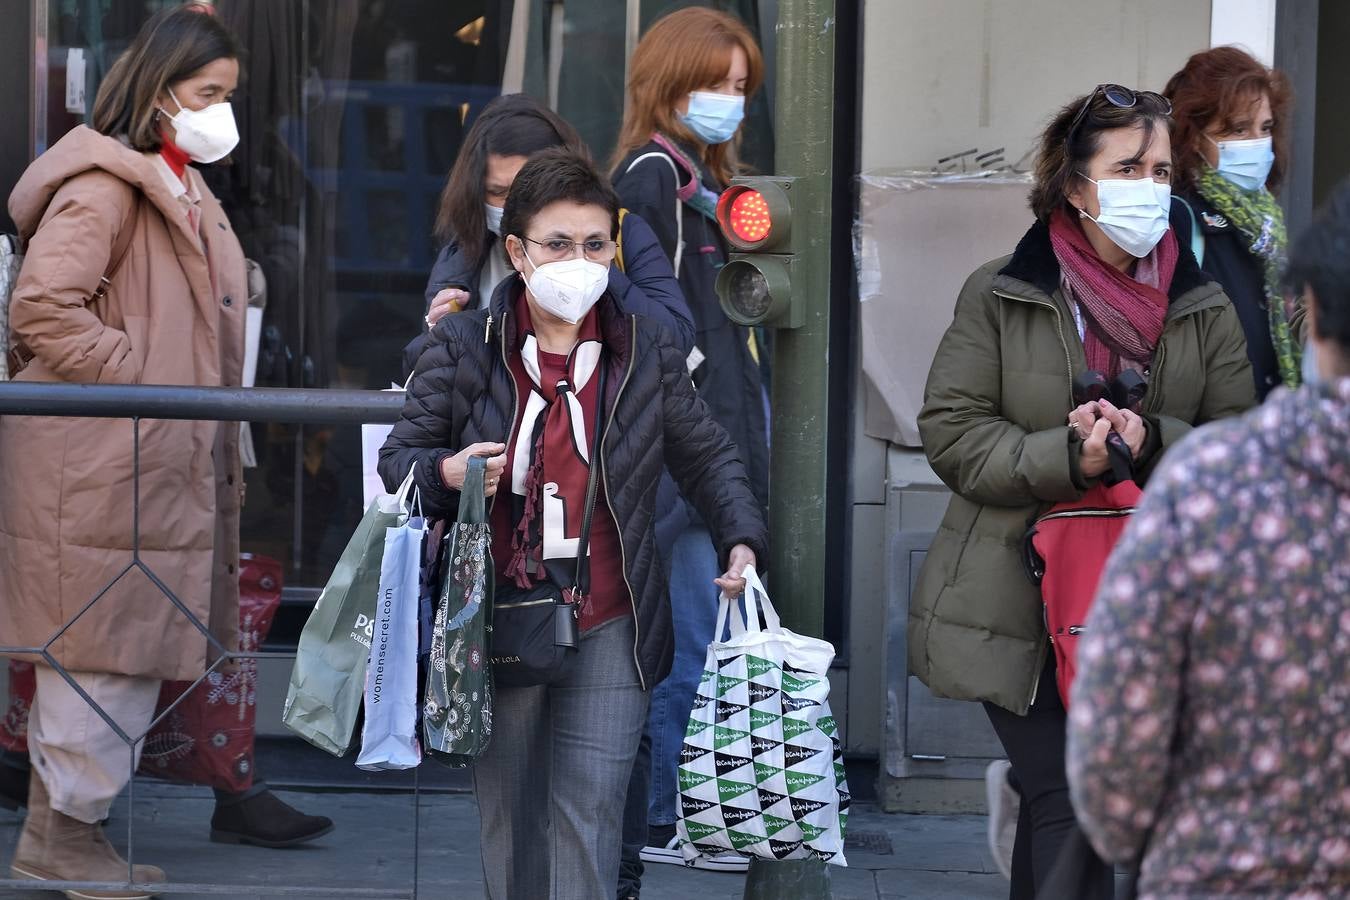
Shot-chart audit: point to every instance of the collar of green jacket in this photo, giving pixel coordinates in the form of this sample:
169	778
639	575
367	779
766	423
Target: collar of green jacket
1033	271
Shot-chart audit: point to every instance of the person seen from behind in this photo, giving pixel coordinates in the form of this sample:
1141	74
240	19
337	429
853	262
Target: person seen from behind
515	382
132	276
1097	283
1231	116
1211	714
690	78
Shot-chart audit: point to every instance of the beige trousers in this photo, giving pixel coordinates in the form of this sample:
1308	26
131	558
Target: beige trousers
82	762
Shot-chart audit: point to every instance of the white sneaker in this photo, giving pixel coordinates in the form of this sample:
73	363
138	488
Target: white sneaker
1004	804
729	861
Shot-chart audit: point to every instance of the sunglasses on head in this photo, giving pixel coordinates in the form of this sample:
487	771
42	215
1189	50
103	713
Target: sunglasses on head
1120	97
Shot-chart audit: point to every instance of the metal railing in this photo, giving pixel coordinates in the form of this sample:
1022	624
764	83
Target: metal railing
137	402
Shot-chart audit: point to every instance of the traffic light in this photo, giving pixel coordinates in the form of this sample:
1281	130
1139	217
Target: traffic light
755	286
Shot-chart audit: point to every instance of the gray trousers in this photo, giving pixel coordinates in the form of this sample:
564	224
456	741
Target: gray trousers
552	782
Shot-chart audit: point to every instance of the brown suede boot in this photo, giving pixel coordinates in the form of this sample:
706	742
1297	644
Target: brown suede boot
55	847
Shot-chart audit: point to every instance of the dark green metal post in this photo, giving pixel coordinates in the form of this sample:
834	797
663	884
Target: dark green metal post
804	131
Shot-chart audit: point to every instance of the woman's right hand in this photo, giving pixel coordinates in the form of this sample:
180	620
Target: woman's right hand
454	468
450	300
1092	458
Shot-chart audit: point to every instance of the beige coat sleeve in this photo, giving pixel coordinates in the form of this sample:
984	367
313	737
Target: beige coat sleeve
67	256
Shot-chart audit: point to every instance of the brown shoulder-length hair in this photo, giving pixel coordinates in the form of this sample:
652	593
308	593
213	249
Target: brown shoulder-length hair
509	125
1219	86
1065	150
685	51
170	47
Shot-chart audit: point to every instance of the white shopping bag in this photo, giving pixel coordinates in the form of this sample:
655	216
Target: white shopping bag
762	768
389	737
372	439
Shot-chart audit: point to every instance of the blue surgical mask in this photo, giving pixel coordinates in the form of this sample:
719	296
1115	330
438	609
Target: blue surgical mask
714	118
1134	212
494	218
1246	163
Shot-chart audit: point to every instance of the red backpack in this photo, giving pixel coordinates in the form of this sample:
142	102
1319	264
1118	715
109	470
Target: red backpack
1066	550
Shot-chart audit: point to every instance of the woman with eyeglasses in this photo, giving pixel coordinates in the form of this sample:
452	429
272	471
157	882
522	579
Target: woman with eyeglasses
522	383
1230	114
1097	283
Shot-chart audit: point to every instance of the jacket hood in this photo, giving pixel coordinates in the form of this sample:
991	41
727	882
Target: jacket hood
83	150
1035	263
1310	428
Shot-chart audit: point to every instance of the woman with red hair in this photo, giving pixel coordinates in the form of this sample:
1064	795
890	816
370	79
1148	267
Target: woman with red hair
1230	117
691	76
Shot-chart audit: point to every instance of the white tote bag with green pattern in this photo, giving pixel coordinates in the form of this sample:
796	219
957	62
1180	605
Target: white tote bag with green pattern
762	767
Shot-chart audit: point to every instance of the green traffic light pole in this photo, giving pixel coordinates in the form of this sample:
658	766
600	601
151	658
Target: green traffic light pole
804	128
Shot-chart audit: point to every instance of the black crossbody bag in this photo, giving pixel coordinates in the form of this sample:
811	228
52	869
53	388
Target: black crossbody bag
534	630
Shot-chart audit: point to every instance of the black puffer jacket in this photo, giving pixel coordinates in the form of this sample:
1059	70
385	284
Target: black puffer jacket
462	393
1229	261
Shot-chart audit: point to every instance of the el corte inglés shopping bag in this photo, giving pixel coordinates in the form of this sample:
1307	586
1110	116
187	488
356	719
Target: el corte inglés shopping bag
762	769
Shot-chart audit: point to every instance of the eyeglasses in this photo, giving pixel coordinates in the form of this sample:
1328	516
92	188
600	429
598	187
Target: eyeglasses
555	249
1119	97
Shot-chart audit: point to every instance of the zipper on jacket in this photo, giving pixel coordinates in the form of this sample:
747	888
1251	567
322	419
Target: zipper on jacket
1059	327
1068	364
515	394
604	474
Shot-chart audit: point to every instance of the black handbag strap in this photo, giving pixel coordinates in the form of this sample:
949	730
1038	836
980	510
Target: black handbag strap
581	581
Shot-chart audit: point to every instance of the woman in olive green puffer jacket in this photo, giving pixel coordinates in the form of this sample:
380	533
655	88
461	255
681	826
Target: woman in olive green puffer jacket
997	428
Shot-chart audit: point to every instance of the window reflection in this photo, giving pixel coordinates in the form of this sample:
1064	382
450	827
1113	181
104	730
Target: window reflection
350	114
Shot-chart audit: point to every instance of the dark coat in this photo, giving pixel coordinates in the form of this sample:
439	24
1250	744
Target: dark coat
994	429
645	286
728	379
463	392
1229	262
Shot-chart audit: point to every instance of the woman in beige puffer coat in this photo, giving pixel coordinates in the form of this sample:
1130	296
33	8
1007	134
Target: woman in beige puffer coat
132	276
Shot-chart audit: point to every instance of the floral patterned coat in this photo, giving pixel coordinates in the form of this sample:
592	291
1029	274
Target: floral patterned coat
1210	718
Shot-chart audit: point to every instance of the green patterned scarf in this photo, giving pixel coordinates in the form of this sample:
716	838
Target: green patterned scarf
1258	216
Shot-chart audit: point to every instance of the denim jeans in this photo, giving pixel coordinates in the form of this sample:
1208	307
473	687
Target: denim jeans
693	599
551	785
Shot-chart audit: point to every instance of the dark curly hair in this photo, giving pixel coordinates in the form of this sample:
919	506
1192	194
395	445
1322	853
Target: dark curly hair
1220	85
1066	150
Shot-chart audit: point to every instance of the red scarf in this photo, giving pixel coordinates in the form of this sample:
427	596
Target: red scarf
176	158
552	451
1124	313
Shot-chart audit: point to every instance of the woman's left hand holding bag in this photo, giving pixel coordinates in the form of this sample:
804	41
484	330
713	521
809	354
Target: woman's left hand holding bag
732	581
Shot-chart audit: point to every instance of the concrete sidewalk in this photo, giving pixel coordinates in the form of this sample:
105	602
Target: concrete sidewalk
371	850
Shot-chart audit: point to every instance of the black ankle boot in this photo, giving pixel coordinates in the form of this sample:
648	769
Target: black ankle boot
264	820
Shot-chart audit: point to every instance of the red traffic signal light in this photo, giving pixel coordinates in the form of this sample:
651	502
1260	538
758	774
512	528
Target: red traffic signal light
749	218
755	216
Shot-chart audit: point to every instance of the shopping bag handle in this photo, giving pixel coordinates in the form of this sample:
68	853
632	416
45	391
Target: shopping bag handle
756	600
409	486
472	498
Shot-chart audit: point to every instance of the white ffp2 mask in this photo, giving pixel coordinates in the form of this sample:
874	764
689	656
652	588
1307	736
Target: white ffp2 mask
205	135
568	288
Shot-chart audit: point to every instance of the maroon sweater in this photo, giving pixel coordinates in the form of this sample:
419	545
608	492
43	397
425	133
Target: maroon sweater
609	597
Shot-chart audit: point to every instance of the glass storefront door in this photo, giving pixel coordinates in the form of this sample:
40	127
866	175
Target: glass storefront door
351	113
